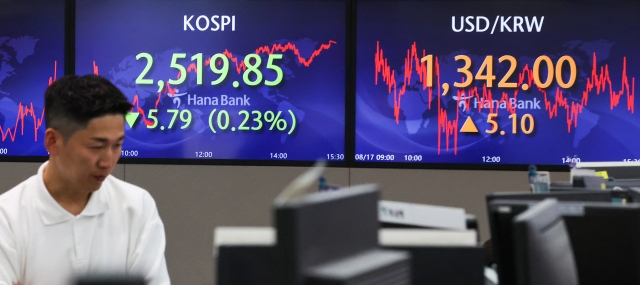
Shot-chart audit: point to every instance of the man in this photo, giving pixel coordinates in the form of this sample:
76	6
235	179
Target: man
73	218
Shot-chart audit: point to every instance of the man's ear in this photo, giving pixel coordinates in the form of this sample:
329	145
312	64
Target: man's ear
52	141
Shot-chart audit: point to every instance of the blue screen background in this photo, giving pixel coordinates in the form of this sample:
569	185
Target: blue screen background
113	33
569	28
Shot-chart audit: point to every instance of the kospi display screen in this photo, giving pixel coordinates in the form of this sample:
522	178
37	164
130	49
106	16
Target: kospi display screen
497	82
228	80
31	58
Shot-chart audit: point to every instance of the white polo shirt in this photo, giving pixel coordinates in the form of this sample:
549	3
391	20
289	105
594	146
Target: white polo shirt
119	231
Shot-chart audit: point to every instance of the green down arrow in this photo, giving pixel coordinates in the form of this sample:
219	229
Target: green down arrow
131	118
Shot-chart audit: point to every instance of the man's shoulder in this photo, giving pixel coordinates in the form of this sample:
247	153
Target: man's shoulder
127	194
126	189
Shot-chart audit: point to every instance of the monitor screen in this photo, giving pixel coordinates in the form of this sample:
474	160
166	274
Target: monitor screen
501	214
222	80
31	58
605	243
544	255
319	228
503	207
611	228
471	83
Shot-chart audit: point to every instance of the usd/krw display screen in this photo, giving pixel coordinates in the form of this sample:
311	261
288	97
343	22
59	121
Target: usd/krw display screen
497	82
31	58
235	80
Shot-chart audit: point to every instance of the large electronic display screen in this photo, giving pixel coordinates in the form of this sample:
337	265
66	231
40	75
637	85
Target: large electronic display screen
31	58
497	82
229	80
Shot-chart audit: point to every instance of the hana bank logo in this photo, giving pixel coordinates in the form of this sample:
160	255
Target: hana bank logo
176	97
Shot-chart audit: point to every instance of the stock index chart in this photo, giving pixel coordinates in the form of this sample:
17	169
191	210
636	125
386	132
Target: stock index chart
497	82
234	80
31	58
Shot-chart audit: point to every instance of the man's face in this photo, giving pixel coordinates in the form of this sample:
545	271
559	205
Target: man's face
87	157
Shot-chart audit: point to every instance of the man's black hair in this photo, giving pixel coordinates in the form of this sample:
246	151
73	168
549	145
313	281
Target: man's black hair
72	101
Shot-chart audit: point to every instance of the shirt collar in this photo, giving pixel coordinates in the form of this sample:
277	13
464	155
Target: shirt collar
52	213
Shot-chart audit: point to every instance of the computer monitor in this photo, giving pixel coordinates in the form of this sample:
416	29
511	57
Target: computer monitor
318	232
502	207
233	263
634	194
501	214
606	242
238	250
589	182
543	250
603	236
